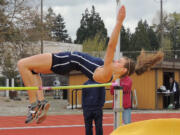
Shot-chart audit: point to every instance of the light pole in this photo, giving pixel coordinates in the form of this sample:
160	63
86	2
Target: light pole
42	26
161	23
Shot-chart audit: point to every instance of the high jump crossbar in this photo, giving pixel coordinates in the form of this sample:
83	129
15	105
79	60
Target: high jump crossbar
59	87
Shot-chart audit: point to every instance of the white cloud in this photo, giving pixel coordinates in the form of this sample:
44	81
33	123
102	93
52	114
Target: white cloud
73	2
73	14
71	11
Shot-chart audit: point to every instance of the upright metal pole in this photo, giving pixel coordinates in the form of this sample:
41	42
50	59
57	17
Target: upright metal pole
161	23
12	82
42	26
7	85
118	90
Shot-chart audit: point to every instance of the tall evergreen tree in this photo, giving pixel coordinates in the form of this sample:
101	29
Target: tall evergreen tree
143	38
59	31
174	31
82	32
171	33
90	25
49	21
154	41
160	30
125	40
140	39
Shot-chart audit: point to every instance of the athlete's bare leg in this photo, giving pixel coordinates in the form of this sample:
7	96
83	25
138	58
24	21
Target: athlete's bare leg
38	64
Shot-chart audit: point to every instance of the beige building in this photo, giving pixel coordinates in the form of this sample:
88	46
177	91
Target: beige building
145	85
53	47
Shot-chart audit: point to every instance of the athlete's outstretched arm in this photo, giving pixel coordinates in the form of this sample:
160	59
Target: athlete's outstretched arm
114	37
104	73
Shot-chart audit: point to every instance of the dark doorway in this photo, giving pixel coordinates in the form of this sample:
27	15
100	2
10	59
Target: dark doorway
166	76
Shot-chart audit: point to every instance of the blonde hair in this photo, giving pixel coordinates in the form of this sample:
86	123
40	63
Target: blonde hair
147	60
144	62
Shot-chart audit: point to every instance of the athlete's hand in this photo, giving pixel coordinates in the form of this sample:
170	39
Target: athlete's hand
121	14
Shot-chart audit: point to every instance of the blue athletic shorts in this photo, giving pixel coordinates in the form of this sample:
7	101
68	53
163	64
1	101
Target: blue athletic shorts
64	62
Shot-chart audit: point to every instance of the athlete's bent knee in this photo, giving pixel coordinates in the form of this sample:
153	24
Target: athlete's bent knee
20	64
33	72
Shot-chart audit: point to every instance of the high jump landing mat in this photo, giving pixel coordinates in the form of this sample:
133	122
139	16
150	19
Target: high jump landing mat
169	126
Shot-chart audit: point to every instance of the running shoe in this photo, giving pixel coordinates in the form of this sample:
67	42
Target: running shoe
42	112
32	112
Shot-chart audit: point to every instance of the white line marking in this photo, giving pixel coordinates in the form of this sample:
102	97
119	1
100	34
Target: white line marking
38	127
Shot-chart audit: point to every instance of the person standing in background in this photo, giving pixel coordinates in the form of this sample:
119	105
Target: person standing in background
174	87
92	103
126	83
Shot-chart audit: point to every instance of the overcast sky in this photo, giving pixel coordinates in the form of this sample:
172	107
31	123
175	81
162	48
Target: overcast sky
71	11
